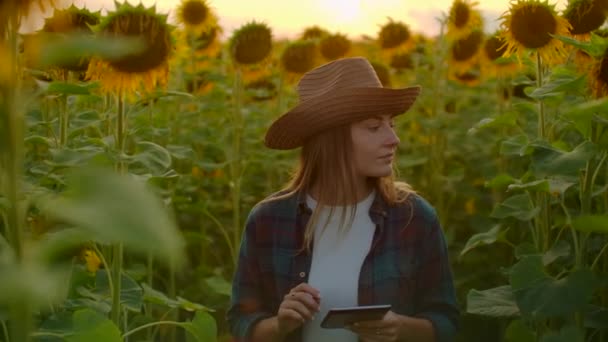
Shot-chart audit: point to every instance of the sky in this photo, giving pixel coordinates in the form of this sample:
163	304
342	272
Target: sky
288	18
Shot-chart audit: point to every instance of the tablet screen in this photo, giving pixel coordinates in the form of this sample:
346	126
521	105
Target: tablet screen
342	317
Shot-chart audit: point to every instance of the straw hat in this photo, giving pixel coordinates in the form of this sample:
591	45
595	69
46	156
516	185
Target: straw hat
335	94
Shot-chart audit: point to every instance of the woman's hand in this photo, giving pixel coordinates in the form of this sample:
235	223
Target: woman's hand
297	307
388	329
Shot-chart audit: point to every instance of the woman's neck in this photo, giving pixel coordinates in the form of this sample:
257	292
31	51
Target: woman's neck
362	190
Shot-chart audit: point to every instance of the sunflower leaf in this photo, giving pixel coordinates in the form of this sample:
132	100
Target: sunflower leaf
595	47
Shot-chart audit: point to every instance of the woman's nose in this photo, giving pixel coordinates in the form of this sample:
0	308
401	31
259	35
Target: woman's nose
392	139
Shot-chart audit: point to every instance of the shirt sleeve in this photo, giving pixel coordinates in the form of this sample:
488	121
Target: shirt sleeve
436	297
246	307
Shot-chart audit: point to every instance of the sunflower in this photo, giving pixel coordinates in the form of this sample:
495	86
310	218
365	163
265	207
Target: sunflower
196	15
194	50
72	20
142	70
529	24
493	63
585	15
463	19
334	46
22	8
299	57
598	80
395	35
313	32
251	43
464	52
261	89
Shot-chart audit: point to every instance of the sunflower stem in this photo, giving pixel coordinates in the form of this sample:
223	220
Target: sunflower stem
235	165
11	150
63	115
117	249
542	199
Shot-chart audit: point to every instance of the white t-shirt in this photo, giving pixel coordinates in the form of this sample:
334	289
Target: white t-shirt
336	263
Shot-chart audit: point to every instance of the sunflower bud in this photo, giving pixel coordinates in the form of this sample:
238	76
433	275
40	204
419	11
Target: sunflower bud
585	15
393	34
251	44
334	46
299	57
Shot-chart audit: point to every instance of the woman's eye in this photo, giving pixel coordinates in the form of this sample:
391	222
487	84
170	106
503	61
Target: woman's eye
373	128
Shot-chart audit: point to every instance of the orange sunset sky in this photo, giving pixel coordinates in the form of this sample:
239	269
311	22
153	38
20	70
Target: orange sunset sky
287	18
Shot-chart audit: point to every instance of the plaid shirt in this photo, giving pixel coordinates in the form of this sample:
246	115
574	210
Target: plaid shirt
407	265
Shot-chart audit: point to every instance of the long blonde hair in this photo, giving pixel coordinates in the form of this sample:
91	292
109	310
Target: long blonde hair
326	161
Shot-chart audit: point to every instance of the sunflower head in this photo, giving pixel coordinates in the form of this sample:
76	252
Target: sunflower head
394	34
494	64
529	24
313	32
464	51
196	15
251	43
72	20
383	73
585	15
463	18
299	57
148	65
335	46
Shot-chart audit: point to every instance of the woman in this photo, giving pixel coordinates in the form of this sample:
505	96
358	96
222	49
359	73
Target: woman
343	232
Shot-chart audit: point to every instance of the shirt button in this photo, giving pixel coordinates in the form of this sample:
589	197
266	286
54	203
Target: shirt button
302	274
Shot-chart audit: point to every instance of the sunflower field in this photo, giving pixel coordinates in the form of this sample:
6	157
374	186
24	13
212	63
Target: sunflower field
131	152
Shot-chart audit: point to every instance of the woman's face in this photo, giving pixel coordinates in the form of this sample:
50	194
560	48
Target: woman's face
374	146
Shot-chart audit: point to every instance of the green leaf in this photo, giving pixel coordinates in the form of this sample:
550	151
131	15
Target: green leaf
508	119
486	238
560	249
154	296
591	223
219	285
152	158
81	156
527	272
131	294
60	246
38	284
117	209
596	317
561	80
581	114
594	47
517	206
202	328
91	326
517	331
496	302
541	296
547	161
566	334
65	88
515	146
501	181
57	49
541	185
191	306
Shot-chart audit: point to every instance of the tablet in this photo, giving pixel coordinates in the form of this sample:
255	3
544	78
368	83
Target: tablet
341	317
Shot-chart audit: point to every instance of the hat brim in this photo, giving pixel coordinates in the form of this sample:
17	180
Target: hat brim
334	109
